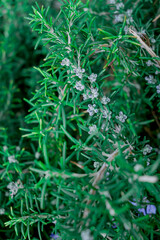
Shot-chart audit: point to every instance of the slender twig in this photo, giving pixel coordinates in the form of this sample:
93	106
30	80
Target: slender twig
148	49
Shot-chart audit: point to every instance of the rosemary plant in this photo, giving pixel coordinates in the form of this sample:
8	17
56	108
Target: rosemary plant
87	164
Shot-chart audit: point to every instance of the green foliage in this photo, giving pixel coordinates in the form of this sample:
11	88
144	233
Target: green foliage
84	164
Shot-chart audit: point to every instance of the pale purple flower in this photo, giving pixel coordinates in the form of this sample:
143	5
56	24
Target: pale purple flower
158	88
86	235
93	129
86	95
78	71
65	62
12	159
105	100
54	236
150	79
94	93
106	114
79	86
119	5
119	18
92	109
153	40
129	12
147	149
149	63
151	209
92	77
122	117
142	210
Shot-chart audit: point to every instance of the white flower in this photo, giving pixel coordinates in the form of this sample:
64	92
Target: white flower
105	100
78	71
153	40
122	117
37	155
149	63
107	114
86	95
147	149
94	93
2	211
12	159
5	148
92	109
158	88
13	187
96	164
129	12
79	86
86	235
150	79
18	148
119	18
65	62
157	72
92	77
119	5
148	162
93	129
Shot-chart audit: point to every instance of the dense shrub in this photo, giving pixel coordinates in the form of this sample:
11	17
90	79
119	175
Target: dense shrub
79	119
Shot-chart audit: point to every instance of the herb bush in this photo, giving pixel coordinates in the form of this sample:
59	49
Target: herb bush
79	120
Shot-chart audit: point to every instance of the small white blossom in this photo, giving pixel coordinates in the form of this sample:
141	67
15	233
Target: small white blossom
122	117
37	155
2	211
18	148
129	20
92	109
107	114
119	5
93	129
148	162
105	100
79	86
94	93
78	71
13	187
153	40
5	148
12	159
157	72
149	63
65	62
129	12
92	77
119	18
96	164
86	95
47	174
86	235
150	79
147	149
158	88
